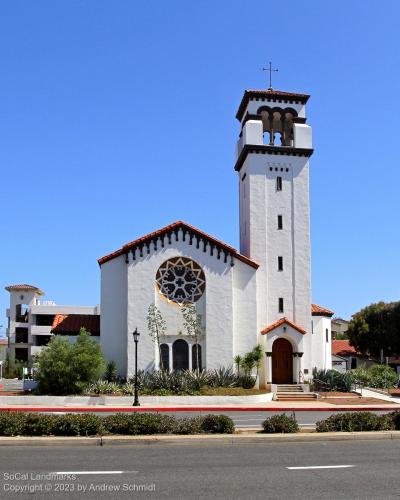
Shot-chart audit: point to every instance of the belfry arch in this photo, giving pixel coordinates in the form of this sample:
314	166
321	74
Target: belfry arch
277	124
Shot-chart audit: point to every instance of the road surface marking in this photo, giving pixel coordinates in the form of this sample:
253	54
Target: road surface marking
95	472
321	467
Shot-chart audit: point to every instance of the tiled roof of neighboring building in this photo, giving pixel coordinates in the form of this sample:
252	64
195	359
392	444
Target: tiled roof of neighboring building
24	286
70	324
174	228
342	348
3	341
317	310
281	322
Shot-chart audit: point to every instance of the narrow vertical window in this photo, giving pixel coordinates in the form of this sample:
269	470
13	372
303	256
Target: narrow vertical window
280	263
280	306
279	183
312	327
280	222
327	334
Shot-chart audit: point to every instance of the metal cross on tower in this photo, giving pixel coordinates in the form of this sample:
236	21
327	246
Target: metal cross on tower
270	69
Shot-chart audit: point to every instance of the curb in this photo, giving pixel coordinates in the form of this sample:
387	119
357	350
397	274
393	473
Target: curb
229	439
95	409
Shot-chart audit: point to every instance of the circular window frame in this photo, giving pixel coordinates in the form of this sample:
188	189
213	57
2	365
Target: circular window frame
170	285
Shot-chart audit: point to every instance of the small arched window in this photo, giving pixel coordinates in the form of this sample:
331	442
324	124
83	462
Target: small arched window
279	183
180	355
164	361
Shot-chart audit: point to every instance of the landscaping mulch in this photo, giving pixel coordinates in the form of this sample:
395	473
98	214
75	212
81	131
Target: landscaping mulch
358	401
333	394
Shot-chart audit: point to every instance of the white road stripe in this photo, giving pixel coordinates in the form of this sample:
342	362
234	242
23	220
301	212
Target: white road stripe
321	467
96	472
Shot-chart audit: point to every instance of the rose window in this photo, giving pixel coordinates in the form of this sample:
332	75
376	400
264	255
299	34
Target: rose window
181	280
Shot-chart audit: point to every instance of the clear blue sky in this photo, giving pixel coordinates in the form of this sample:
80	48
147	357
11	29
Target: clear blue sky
118	117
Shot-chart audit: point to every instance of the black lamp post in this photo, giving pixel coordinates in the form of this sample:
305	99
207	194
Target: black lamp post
136	335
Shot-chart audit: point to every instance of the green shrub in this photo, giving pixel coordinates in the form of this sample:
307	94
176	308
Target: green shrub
355	422
395	417
12	423
76	424
217	424
382	377
38	424
187	425
332	380
15	423
111	374
246	381
280	423
139	424
66	368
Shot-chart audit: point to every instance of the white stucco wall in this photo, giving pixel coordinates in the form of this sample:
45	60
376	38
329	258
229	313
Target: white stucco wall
113	319
321	349
246	334
224	285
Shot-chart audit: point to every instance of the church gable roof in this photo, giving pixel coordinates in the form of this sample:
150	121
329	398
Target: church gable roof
174	228
280	322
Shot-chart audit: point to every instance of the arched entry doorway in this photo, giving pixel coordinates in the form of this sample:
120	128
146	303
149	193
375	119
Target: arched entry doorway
282	362
180	355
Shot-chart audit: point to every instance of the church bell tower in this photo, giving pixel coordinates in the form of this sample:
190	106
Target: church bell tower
272	163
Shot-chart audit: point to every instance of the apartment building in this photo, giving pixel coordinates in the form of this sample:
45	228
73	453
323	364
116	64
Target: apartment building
33	321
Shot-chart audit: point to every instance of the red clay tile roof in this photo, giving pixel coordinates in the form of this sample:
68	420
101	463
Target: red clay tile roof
3	341
281	322
173	228
317	310
277	95
70	324
342	348
12	288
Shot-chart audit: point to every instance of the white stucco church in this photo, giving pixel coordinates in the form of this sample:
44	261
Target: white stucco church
258	295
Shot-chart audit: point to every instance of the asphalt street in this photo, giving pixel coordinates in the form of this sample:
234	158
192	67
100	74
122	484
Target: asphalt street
200	470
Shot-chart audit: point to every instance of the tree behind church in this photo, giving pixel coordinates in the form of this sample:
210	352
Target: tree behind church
67	368
375	328
157	328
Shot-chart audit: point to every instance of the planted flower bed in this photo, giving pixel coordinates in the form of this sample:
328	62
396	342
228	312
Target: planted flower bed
179	383
16	423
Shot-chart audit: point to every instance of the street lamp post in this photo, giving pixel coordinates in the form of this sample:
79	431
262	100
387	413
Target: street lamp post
136	335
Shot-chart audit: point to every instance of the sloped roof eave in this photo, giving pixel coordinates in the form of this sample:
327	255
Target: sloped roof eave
175	227
279	323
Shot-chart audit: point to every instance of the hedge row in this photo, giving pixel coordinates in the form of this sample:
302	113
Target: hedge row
341	422
359	422
15	423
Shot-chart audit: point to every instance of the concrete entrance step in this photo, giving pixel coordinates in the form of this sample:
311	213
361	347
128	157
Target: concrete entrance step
289	388
293	392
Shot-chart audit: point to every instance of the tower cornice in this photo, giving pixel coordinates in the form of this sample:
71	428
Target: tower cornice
271	96
271	150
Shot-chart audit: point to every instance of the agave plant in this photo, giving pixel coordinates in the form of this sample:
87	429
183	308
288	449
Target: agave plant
197	379
223	377
128	388
103	387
